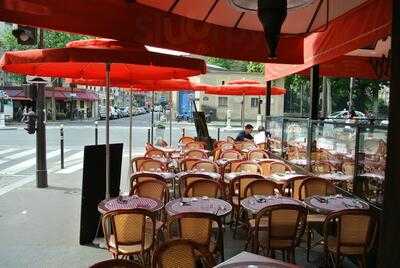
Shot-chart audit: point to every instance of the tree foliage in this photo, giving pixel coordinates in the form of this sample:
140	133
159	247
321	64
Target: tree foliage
235	65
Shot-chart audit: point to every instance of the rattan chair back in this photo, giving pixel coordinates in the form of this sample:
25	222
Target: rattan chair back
248	166
155	153
316	186
231	154
187	179
154	189
205	165
257	154
194	145
322	168
196	153
152	165
137	178
261	187
203	187
185	140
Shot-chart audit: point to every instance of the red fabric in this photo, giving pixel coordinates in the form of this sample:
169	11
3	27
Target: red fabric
136	23
356	29
89	63
243	81
247	90
146	85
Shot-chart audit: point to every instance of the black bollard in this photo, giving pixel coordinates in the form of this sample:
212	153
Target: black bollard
62	145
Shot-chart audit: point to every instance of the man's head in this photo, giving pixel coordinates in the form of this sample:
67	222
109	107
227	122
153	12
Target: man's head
248	129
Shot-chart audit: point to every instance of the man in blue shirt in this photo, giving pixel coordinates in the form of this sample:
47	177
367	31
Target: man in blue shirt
244	135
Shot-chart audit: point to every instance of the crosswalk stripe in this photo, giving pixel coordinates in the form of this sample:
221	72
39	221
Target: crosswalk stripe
70	169
24	165
6	151
21	154
78	155
3	161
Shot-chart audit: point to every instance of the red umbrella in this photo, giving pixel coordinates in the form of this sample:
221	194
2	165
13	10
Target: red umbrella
243	81
86	59
104	59
243	90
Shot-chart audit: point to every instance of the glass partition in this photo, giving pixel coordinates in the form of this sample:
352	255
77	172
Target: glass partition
371	162
275	126
295	136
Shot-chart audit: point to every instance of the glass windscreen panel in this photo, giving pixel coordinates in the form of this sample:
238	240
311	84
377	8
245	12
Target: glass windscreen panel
274	127
372	162
333	152
295	141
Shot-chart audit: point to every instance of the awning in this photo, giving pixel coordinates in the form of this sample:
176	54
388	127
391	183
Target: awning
213	28
62	94
16	94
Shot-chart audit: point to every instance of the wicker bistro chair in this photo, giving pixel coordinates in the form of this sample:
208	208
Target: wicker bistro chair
286	224
348	168
187	179
182	253
130	233
264	165
275	167
231	154
237	193
257	154
205	165
155	153
137	162
194	145
152	165
154	189
196	153
355	234
292	186
198	227
113	263
261	187
322	167
248	166
137	178
244	145
186	164
310	187
204	187
185	140
263	145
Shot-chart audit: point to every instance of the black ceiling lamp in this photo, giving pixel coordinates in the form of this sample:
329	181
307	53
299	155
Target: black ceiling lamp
272	15
25	35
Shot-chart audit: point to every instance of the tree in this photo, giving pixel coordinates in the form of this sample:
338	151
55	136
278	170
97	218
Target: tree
235	65
51	39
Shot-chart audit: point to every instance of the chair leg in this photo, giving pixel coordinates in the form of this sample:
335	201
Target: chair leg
308	241
236	222
337	260
293	257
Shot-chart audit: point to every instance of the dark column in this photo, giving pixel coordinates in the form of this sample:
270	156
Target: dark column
41	165
314	109
268	99
390	236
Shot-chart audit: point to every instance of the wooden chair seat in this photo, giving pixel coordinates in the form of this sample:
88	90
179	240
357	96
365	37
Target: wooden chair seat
131	249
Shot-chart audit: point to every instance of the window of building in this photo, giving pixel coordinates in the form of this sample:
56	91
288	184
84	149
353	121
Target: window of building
254	102
222	101
205	98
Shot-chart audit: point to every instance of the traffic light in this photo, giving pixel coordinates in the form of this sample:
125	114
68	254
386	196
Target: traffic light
25	35
30	121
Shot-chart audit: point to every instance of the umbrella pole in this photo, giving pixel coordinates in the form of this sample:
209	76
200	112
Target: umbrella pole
108	130
130	131
242	113
152	118
170	119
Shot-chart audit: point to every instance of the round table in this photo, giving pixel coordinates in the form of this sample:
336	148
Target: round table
213	175
128	202
214	206
333	203
282	178
336	176
228	177
167	176
254	204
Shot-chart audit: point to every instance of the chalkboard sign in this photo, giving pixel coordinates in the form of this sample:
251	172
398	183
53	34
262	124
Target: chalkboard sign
94	186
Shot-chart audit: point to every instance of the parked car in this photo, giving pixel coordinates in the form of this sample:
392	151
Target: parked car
102	113
141	110
344	116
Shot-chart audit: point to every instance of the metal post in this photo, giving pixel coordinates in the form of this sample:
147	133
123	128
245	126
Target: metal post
108	130
152	117
170	119
62	145
41	165
389	235
242	112
96	132
268	90
183	132
351	93
324	96
148	136
130	128
313	102
218	134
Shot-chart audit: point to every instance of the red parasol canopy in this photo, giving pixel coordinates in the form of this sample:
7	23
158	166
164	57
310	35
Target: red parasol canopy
146	85
243	82
86	59
243	90
221	28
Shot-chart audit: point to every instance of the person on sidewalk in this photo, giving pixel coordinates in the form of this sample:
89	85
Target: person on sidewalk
245	135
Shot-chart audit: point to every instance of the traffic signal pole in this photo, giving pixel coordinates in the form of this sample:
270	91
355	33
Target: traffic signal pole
41	163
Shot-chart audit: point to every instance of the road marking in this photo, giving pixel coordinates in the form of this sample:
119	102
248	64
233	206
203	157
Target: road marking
70	169
78	155
21	154
3	161
16	185
6	151
24	165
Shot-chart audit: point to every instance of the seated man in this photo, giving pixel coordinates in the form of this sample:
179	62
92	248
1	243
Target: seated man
244	135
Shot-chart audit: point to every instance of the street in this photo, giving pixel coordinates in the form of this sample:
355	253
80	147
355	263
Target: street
18	149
